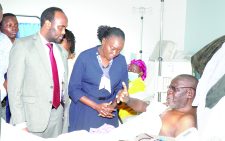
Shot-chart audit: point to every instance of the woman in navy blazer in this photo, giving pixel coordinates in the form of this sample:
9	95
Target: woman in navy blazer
96	79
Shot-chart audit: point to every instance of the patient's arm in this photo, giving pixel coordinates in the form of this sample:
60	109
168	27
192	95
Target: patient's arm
136	104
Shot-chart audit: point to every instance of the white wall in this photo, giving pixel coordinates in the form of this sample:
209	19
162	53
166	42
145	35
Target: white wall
86	15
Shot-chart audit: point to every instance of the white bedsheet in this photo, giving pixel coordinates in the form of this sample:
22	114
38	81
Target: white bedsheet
148	122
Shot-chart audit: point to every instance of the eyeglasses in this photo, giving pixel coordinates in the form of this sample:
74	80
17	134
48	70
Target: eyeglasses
176	89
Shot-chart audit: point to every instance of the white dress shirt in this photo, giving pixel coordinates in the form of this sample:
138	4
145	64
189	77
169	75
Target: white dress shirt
5	46
59	62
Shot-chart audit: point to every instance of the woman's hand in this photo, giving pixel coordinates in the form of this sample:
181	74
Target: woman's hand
105	110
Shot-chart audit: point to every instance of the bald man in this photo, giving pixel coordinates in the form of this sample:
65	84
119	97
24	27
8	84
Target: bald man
179	114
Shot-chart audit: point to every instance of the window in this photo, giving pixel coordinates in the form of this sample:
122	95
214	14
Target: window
27	25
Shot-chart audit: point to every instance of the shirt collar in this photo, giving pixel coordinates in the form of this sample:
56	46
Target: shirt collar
44	41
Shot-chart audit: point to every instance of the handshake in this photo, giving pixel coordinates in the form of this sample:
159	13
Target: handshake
106	109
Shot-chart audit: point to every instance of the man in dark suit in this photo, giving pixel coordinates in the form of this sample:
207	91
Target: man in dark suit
31	80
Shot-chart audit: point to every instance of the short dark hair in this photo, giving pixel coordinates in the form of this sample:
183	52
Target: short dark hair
107	31
71	39
6	15
49	14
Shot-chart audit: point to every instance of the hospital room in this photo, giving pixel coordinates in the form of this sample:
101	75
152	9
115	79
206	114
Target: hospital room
103	70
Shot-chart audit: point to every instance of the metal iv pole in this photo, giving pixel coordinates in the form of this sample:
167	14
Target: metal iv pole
142	10
160	59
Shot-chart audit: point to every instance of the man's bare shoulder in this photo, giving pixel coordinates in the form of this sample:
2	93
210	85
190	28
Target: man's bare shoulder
187	118
186	121
175	122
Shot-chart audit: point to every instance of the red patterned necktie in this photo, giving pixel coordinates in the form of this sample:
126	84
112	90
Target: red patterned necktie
56	91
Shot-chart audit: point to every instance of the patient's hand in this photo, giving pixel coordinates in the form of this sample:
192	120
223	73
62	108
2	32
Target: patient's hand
123	95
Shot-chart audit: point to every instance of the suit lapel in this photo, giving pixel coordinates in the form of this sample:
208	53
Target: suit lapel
43	57
64	56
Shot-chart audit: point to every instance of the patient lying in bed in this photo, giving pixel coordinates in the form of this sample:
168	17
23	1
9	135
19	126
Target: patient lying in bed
179	115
